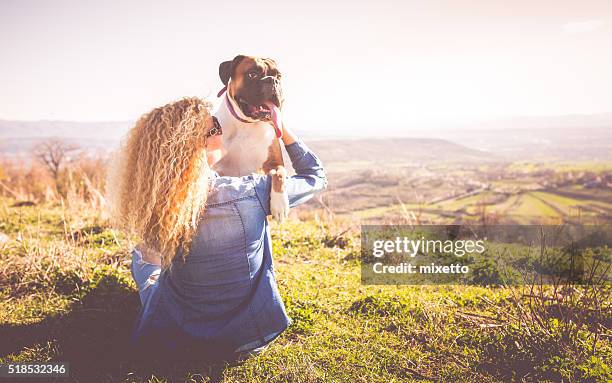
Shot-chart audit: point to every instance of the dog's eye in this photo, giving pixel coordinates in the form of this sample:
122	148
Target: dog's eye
253	74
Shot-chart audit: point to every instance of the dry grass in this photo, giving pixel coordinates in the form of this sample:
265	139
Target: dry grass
79	180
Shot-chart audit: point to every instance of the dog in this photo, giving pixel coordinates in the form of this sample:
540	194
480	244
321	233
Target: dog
249	119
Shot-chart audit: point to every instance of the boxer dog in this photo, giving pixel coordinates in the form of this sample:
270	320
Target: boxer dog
249	118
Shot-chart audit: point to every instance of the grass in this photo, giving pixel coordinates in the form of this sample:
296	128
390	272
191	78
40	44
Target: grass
67	295
567	204
575	166
524	207
531	207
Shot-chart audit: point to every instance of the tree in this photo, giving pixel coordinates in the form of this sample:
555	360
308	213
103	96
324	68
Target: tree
53	154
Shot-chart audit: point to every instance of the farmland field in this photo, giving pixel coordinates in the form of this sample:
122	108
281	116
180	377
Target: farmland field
456	192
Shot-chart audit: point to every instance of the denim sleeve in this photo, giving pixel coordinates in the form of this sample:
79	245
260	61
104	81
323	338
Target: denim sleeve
309	177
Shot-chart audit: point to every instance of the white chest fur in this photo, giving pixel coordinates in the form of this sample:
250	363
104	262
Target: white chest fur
246	144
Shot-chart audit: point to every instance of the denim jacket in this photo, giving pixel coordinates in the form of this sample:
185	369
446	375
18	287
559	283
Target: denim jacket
224	293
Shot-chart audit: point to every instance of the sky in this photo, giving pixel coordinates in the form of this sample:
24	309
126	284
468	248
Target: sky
347	65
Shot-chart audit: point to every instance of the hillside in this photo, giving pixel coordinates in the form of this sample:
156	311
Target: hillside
105	130
541	139
18	137
384	151
66	295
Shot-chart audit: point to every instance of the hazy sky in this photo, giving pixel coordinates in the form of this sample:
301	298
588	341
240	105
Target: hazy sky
346	64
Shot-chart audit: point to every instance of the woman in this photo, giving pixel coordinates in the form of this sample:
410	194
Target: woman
213	286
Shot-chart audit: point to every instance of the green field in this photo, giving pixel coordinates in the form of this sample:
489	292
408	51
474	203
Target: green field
520	207
67	295
518	192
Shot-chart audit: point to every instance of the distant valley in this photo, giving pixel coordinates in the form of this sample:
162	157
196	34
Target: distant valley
523	141
512	174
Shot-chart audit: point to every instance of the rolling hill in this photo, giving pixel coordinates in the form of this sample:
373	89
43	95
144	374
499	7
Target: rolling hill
19	137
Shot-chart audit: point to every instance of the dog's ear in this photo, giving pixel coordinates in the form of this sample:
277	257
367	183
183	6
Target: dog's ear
226	68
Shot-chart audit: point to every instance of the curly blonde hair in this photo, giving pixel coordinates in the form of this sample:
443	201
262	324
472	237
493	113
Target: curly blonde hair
159	181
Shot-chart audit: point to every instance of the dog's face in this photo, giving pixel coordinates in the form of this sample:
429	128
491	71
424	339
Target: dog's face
255	85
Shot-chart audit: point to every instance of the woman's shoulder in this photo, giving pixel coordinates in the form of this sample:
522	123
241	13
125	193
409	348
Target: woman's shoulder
229	189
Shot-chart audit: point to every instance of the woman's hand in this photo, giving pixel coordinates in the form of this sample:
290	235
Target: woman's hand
149	255
288	136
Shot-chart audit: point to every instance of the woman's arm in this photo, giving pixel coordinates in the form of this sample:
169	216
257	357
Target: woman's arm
288	136
309	179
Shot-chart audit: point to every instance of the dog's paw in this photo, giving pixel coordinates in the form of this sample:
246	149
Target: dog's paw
279	205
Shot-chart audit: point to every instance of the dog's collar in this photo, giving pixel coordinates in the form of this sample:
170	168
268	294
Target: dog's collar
278	132
222	91
233	111
230	106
